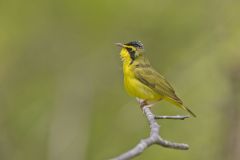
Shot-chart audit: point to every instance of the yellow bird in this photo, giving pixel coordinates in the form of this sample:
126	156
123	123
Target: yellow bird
142	81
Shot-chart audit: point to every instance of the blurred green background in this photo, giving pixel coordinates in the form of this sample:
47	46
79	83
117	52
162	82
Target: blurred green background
61	87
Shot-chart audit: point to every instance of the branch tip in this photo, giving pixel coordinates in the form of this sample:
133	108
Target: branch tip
177	117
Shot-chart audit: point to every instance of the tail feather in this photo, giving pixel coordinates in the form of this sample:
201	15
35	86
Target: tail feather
181	106
189	111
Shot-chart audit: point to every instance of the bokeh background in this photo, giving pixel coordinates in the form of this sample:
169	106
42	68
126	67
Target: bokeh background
61	83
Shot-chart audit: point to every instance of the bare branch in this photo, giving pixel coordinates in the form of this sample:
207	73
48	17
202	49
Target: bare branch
154	138
177	117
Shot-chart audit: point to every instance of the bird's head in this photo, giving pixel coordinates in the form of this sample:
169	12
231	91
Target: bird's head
130	51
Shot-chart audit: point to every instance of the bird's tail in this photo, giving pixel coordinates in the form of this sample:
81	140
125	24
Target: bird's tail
180	104
187	109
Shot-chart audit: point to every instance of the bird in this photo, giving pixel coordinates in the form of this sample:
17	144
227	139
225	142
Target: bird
142	81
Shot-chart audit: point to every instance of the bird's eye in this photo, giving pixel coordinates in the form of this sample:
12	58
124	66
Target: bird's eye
130	50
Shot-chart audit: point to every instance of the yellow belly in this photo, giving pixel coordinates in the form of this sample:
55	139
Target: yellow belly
137	89
134	87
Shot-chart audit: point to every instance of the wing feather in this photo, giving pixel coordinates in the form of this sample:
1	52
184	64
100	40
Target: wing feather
151	78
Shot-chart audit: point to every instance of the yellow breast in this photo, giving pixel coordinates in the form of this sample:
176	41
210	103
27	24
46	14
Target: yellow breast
134	87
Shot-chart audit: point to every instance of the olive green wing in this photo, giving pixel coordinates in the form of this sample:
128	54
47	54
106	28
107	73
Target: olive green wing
151	78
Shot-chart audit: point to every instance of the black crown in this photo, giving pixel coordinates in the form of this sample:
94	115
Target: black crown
137	44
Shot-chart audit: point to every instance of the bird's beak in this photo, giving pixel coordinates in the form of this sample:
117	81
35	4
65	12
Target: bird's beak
119	45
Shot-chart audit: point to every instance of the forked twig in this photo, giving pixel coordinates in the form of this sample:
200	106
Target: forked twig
154	137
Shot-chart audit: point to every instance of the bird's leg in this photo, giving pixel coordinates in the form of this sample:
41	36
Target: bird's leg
141	102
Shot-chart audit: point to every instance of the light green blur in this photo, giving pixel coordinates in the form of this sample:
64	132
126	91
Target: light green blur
61	83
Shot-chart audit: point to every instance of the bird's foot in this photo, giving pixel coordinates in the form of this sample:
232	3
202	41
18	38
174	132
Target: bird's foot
143	104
